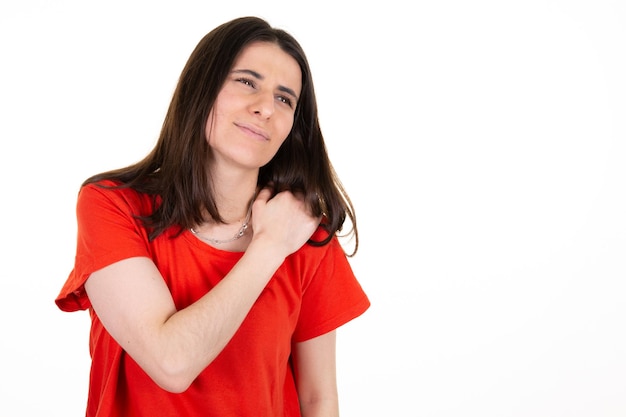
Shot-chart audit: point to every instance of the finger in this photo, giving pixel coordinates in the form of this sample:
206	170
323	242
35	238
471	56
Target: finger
264	195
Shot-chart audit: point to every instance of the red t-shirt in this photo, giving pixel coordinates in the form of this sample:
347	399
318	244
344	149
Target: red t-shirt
313	292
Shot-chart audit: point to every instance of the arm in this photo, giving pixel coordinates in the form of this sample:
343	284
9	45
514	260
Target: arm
173	347
316	378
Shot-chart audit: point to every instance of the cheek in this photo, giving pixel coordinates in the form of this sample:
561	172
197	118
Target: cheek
286	126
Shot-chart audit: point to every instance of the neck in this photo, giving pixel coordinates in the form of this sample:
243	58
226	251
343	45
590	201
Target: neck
233	195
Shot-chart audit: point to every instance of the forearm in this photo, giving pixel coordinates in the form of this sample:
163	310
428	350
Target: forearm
136	307
191	338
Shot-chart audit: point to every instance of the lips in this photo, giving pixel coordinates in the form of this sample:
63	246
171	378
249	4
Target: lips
253	130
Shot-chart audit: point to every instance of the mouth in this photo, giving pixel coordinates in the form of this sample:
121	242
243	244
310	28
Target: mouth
253	131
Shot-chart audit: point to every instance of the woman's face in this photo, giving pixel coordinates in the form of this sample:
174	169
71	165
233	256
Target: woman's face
254	110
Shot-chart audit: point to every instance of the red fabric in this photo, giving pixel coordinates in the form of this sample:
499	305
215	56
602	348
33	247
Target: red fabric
312	293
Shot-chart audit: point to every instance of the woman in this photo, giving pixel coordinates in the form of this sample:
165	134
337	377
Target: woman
211	269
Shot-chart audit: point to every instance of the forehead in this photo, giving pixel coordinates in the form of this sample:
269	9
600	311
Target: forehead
271	62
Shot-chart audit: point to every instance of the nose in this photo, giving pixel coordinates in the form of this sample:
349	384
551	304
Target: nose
263	105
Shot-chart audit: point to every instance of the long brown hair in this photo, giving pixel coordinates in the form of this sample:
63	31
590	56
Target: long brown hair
175	173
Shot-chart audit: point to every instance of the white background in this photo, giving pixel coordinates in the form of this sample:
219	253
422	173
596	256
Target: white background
483	144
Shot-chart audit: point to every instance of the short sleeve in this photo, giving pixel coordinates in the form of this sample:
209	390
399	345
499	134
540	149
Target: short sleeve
107	231
331	297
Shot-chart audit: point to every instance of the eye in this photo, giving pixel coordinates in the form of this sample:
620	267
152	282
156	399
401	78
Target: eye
285	100
246	81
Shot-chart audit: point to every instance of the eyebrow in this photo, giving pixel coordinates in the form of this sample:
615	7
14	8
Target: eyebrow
260	77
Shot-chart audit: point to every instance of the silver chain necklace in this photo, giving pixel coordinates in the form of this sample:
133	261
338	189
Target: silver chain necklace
239	234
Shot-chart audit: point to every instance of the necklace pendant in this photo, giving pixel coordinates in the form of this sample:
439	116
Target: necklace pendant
238	235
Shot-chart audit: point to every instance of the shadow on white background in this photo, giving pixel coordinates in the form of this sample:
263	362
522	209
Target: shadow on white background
483	144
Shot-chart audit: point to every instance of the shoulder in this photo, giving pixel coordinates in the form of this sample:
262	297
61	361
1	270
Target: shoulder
320	234
112	194
314	253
